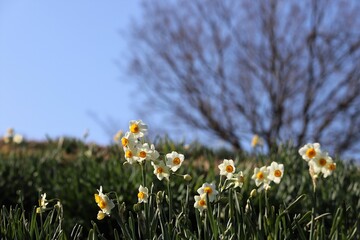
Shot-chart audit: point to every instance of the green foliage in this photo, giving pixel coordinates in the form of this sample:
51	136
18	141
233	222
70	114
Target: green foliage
70	171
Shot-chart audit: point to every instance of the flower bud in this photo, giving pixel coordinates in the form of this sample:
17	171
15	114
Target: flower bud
187	177
159	197
253	193
137	207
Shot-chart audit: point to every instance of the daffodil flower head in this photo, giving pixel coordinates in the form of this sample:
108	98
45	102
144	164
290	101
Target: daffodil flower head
276	172
154	155
42	201
227	168
174	160
143	152
309	151
256	141
238	179
103	201
128	140
329	169
18	138
143	194
324	164
261	176
208	189
131	154
137	128
200	203
161	170
10	132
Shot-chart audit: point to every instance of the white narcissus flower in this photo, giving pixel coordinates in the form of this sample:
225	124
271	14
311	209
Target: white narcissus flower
329	169
174	160
143	194
200	203
42	201
324	164
128	140
320	161
227	168
18	138
131	154
103	201
256	141
309	151
144	152
154	155
238	179
276	172
161	171
138	128
261	176
208	189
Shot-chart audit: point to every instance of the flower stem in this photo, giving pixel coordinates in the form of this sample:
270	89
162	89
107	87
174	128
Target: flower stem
313	211
170	200
146	206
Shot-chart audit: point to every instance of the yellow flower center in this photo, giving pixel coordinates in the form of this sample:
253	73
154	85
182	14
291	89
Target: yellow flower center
141	195
202	202
208	190
128	154
102	204
97	198
332	167
142	154
134	128
260	175
322	162
311	153
176	161
124	141
229	169
159	170
277	173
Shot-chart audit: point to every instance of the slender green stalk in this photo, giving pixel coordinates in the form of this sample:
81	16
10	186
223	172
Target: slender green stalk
313	211
146	206
213	224
170	200
260	212
186	208
218	205
266	203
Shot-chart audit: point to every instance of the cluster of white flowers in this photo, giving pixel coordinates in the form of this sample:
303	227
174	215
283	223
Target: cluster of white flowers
137	152
104	203
11	136
134	148
319	161
265	175
207	190
227	168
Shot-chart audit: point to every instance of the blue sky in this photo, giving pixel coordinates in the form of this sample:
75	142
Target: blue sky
58	67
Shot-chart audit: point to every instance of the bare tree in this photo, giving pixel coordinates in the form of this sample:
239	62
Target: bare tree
284	69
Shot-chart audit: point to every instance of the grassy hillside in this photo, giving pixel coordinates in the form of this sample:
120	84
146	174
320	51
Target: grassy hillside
70	172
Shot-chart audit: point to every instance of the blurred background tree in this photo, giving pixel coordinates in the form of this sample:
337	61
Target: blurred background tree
285	70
